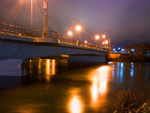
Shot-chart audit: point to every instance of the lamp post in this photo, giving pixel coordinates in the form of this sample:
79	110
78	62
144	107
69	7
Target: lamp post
97	37
85	42
78	29
45	22
107	42
31	21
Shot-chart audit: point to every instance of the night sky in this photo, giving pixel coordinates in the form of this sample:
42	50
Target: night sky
124	21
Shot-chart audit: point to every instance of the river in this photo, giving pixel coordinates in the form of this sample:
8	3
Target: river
49	86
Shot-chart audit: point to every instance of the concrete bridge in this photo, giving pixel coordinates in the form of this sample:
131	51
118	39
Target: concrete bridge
23	44
15	47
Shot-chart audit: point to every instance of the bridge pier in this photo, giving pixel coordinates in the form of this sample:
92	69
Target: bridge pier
11	67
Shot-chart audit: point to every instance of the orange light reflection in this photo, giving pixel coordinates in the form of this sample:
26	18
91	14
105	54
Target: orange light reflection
50	68
99	85
75	104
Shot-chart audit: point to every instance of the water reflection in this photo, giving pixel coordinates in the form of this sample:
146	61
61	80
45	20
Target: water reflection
41	69
99	85
132	69
147	71
120	71
75	103
94	92
50	68
90	89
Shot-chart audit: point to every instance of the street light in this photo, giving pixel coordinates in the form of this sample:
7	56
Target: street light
97	37
85	41
69	33
106	41
78	29
103	36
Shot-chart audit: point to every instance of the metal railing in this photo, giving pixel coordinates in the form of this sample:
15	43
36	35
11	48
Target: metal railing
17	30
80	44
23	32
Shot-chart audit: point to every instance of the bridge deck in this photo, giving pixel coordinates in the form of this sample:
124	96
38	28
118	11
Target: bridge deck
11	32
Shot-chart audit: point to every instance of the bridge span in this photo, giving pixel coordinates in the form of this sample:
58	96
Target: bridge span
19	45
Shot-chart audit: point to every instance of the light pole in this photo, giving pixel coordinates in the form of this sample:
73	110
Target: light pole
31	21
106	42
97	37
85	42
45	22
78	29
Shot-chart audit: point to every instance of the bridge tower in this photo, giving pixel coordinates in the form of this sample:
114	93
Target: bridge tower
45	21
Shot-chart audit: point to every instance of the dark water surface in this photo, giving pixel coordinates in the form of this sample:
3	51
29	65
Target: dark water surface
48	87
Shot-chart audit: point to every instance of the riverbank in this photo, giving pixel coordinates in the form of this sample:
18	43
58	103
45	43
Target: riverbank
129	58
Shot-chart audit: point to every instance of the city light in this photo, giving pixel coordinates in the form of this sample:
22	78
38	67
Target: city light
106	41
97	37
122	49
132	50
69	33
103	36
85	41
78	28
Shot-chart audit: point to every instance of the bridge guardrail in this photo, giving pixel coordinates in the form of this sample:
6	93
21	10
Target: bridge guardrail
20	31
16	30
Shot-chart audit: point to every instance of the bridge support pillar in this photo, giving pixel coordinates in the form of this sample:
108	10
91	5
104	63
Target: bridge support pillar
11	67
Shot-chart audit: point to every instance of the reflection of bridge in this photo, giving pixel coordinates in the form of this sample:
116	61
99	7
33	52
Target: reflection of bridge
20	43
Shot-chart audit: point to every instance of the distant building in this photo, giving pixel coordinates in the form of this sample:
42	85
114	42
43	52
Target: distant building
138	49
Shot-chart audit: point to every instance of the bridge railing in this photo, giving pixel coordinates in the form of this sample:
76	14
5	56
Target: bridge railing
16	30
80	44
23	32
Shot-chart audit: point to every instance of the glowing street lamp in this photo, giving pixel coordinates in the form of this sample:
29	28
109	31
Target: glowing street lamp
106	41
85	41
69	33
78	29
97	37
103	36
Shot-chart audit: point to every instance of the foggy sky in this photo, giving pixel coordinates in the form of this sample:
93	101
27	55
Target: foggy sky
124	21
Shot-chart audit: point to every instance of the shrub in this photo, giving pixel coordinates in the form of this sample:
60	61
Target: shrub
144	108
127	102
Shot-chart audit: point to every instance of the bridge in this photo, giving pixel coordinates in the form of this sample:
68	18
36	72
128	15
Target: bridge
20	43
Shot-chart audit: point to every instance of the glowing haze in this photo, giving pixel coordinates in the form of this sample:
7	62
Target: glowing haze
124	21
